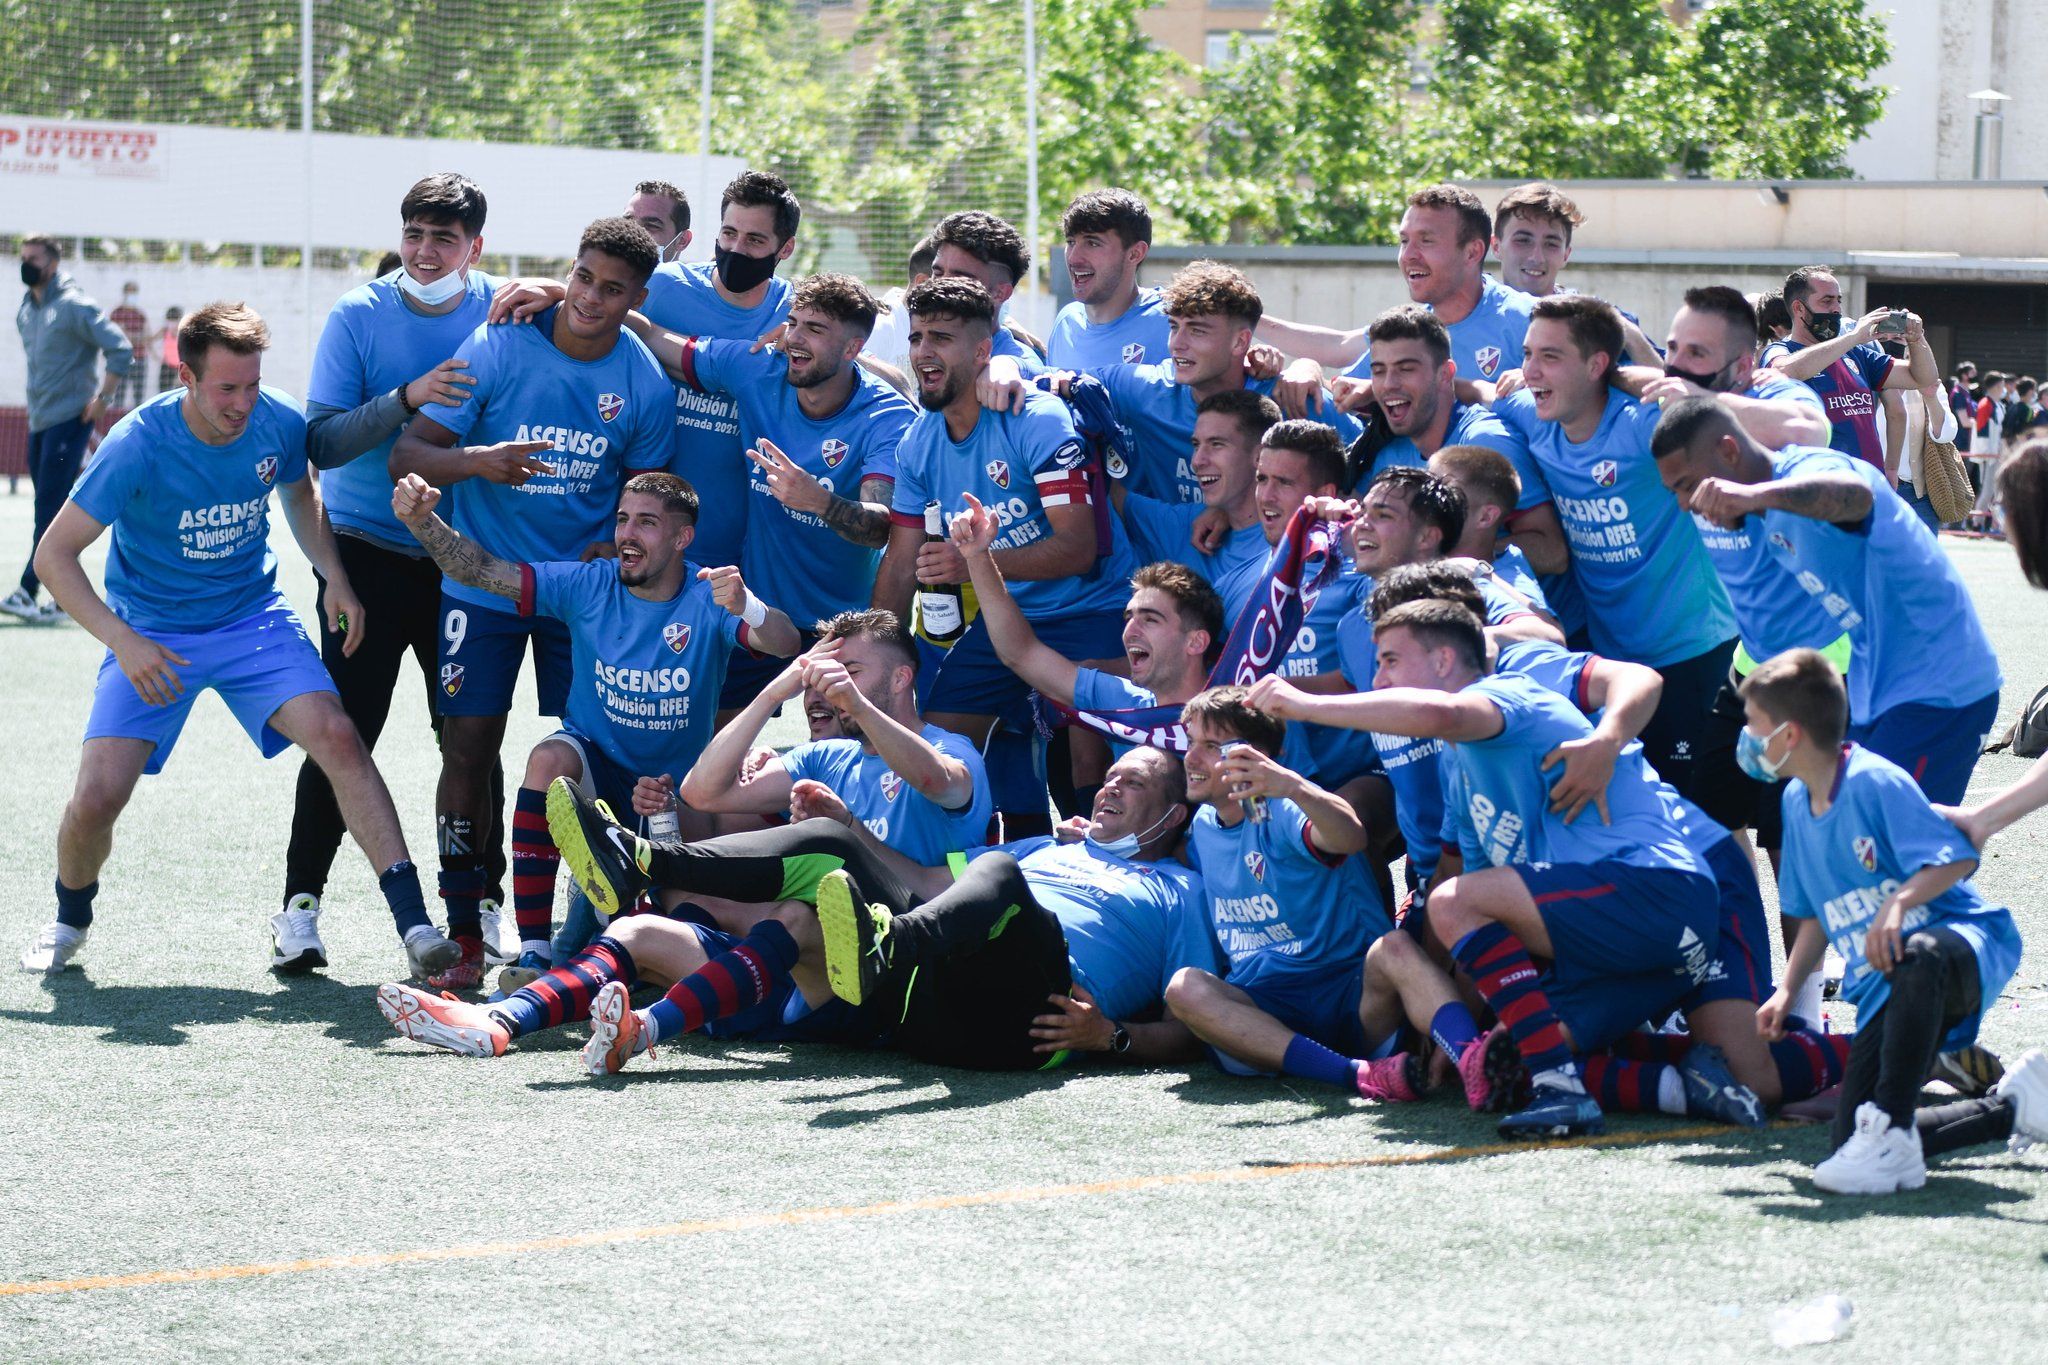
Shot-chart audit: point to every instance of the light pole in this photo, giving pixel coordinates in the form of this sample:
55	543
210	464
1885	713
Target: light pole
1987	161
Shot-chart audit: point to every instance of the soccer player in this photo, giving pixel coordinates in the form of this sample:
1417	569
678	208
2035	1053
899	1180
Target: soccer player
1410	516
1532	237
562	412
736	297
814	422
1712	349
386	353
1872	870
664	211
1229	429
1650	590
192	604
981	247
1028	468
1492	488
919	789
1846	368
1842	536
1292	909
1112	320
648	641
1625	914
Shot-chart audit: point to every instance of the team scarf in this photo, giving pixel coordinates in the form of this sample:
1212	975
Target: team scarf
1307	561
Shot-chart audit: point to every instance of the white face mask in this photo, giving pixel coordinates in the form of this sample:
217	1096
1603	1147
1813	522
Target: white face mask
435	294
1129	844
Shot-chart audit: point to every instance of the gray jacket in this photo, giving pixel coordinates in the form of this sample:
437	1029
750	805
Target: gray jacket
62	338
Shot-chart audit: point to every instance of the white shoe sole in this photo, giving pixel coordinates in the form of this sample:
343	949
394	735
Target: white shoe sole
408	1014
1910	1181
311	958
607	1012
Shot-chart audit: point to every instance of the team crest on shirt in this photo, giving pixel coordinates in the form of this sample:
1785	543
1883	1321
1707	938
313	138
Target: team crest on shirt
451	678
1605	472
677	635
1116	466
1865	848
1134	353
610	405
1489	360
892	783
999	470
833	452
1255	863
266	470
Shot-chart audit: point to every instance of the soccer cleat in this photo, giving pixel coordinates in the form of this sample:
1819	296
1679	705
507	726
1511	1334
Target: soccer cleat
616	1032
1492	1071
1555	1112
295	946
1400	1077
607	860
2025	1088
857	947
531	967
1877	1158
468	972
53	949
21	605
428	951
443	1021
1972	1070
501	944
1712	1092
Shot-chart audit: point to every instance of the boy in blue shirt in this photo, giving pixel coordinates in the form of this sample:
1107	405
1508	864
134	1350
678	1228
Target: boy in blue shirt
1113	320
1874	871
387	351
184	481
563	411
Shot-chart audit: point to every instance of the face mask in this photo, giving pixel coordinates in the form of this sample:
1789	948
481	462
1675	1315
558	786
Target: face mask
741	273
1717	381
31	275
1749	753
432	295
671	242
1129	844
1824	326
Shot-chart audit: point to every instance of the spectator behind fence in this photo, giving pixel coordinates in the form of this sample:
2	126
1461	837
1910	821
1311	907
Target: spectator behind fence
134	324
167	350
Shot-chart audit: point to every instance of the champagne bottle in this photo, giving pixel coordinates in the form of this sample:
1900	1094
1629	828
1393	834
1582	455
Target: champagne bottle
941	613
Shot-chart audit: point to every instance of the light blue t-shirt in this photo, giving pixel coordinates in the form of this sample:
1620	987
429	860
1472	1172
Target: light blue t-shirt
645	676
1773	613
1018	464
708	451
1159	413
1651	593
1005	343
1130	926
1137	337
894	811
1913	631
1840	867
1328	755
792	559
191	522
1488	342
1095	690
1165	530
1470	425
374	342
1280	908
1499	794
608	418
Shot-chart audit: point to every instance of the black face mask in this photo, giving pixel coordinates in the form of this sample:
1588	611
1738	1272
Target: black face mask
1717	381
1824	326
741	273
32	274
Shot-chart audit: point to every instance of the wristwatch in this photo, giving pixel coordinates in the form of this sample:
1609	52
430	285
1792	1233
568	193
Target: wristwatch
1119	1039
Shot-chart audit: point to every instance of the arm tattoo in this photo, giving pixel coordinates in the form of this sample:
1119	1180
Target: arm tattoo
865	522
1837	498
467	562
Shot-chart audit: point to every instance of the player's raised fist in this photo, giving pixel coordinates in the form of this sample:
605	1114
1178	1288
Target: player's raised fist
413	499
727	588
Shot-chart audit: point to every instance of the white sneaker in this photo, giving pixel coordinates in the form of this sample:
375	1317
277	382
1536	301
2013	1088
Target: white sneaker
1877	1158
428	951
53	615
295	945
20	604
53	948
2026	1085
501	939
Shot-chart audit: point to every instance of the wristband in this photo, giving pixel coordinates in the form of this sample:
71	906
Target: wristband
753	611
404	402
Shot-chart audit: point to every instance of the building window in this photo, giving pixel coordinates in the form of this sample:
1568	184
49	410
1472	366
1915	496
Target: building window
1216	49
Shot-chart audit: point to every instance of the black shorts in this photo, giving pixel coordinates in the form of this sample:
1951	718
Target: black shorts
1691	743
975	1010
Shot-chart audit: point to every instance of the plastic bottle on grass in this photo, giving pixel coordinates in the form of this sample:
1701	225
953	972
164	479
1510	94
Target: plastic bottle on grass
1827	1318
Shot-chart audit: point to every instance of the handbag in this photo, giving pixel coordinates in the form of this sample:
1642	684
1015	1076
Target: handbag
1944	482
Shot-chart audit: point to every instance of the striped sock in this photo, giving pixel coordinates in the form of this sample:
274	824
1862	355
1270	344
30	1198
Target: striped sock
1652	1047
1809	1061
737	979
534	860
1500	967
563	995
1311	1061
1631	1086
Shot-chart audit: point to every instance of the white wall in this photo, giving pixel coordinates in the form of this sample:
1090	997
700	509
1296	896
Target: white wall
1942	52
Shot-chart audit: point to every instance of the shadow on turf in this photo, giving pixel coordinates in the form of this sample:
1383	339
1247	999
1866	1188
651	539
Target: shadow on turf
1948	1194
158	1016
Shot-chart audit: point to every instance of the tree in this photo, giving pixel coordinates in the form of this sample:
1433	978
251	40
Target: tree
1784	87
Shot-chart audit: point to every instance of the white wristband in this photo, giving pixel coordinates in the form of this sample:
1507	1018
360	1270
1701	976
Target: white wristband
754	611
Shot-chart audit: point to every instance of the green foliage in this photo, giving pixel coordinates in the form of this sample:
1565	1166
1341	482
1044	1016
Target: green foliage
1785	86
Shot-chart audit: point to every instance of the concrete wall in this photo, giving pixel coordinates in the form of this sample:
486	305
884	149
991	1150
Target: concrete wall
1942	52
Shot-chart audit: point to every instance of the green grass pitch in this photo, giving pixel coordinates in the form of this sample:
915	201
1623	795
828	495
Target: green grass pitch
173	1108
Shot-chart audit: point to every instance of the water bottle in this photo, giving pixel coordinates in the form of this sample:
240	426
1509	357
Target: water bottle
1254	806
1827	1318
665	826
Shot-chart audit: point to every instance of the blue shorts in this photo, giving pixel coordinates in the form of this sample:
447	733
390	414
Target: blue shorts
969	679
1937	745
603	779
480	652
1321	1005
1627	942
257	664
1740	968
785	1017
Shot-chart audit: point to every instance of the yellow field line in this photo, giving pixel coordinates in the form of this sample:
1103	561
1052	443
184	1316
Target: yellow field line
749	1222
